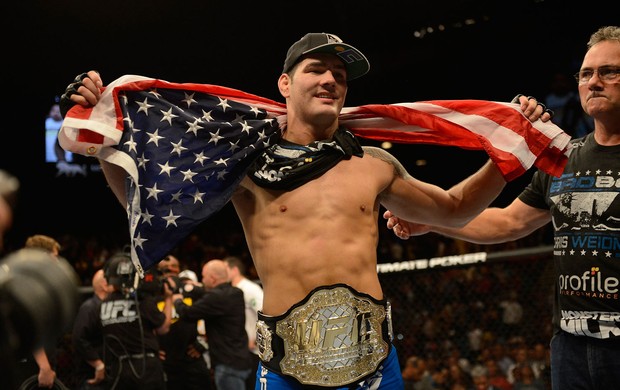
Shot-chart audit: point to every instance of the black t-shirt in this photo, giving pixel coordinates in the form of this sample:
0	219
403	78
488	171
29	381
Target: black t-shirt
223	310
129	324
585	210
87	335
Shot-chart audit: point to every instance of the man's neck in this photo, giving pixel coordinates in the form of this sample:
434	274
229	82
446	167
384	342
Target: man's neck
306	133
236	280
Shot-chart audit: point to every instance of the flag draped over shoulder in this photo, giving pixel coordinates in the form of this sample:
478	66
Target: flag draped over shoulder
185	147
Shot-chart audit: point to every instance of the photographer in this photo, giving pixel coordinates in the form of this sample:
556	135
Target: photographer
38	301
42	362
131	324
184	365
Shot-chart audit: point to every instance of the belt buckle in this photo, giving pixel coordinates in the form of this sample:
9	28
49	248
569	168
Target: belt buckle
333	339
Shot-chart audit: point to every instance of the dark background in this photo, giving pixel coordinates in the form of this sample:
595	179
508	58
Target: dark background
512	46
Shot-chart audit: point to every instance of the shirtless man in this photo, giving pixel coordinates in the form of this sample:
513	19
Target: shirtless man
314	242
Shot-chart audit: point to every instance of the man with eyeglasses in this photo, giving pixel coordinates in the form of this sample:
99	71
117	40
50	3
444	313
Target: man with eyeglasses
605	73
584	206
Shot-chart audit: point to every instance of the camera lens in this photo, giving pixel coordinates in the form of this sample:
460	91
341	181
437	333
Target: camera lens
39	295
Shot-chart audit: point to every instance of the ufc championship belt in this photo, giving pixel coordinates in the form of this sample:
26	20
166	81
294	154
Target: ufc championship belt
335	337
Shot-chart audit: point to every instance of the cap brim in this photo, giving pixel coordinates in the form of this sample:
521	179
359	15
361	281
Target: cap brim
355	62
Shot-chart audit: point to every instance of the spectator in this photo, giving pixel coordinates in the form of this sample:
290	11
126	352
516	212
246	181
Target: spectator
526	380
458	377
169	266
222	308
87	338
43	242
43	360
501	356
189	280
253	296
512	313
481	380
495	376
183	363
539	359
521	359
416	375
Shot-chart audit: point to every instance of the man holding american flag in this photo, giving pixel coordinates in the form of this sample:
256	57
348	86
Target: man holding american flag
307	194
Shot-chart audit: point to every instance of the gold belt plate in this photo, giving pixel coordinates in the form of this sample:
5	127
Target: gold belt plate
334	339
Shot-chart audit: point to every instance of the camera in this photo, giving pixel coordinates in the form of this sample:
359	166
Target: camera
39	298
120	272
154	280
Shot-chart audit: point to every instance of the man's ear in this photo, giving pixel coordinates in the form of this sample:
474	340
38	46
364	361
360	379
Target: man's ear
284	83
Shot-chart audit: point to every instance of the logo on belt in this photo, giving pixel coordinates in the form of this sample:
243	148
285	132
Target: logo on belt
334	339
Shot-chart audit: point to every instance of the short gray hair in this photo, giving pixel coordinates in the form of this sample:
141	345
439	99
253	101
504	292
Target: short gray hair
606	33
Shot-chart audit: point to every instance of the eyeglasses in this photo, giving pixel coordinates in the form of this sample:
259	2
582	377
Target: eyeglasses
605	73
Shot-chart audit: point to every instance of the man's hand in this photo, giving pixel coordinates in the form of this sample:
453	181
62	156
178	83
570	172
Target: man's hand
46	377
195	349
404	229
85	90
99	375
193	352
532	109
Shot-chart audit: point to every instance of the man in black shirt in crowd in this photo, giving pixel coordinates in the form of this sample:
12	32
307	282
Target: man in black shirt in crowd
223	309
87	337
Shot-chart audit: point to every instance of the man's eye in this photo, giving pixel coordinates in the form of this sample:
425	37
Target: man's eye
340	76
609	72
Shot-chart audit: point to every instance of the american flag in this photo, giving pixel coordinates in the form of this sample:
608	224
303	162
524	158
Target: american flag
186	146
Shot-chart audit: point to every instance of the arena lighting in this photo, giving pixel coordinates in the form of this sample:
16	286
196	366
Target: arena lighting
447	27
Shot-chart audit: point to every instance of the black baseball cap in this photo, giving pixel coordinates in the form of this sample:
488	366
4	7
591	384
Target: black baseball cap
355	62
